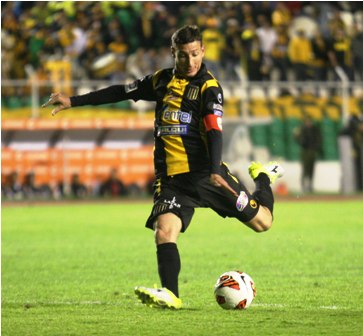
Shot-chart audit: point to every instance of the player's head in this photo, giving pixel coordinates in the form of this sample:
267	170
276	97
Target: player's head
188	50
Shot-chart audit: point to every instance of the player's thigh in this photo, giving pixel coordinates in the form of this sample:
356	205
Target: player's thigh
244	207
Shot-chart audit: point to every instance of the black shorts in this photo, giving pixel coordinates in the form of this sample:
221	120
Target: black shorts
181	194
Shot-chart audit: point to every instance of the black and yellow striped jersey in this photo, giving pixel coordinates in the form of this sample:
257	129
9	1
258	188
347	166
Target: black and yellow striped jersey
186	110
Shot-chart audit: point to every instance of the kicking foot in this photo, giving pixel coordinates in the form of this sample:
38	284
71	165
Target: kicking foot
273	170
158	297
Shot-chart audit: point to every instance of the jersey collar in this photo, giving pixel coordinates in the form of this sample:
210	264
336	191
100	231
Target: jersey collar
202	71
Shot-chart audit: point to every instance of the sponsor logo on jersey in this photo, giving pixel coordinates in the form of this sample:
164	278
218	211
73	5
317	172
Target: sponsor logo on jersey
242	201
172	130
177	116
217	107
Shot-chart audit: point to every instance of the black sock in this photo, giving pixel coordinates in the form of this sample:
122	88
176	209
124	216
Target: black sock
263	193
169	266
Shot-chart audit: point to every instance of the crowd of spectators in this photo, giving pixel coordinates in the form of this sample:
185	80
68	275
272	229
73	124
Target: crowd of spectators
121	40
118	40
17	188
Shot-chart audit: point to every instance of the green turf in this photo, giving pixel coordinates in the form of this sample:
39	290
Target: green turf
71	269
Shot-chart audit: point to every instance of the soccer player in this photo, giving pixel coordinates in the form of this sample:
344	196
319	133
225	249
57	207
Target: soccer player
187	157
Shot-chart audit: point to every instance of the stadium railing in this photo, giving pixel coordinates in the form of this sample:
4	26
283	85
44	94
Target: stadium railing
31	94
271	110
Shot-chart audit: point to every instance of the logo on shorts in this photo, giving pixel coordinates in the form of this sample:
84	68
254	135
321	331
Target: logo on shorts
242	201
172	203
253	204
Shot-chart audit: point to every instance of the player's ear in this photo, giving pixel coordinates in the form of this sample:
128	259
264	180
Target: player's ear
203	49
172	51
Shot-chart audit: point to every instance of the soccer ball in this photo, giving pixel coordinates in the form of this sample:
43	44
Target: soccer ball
234	290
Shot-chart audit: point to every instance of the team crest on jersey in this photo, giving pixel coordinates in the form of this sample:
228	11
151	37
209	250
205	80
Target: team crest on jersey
192	93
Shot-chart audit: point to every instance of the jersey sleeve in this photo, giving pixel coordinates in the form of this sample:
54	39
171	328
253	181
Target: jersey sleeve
212	99
140	89
212	112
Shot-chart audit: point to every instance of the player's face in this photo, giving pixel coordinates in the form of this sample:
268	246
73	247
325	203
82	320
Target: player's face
188	58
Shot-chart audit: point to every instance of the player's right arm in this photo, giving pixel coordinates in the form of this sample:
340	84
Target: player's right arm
139	89
60	101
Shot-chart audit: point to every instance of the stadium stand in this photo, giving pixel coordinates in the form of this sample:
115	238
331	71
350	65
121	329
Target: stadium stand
79	46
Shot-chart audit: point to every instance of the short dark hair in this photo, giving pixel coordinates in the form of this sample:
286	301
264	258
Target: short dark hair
186	34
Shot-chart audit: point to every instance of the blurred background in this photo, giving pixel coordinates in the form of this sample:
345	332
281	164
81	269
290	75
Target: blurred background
292	74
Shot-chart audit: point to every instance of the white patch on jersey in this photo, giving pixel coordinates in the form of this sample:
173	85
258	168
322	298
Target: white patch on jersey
131	87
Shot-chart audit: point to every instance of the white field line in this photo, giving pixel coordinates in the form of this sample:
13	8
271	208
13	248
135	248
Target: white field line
278	305
105	303
61	303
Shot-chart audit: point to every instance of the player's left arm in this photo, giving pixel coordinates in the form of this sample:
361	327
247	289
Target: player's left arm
212	118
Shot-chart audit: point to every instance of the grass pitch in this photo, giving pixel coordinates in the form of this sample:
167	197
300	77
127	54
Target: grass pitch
71	270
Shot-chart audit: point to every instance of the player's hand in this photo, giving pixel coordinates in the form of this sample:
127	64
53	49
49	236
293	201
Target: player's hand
59	100
218	181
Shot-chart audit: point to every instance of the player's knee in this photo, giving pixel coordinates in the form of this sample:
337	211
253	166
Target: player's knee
164	235
264	225
262	221
167	228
